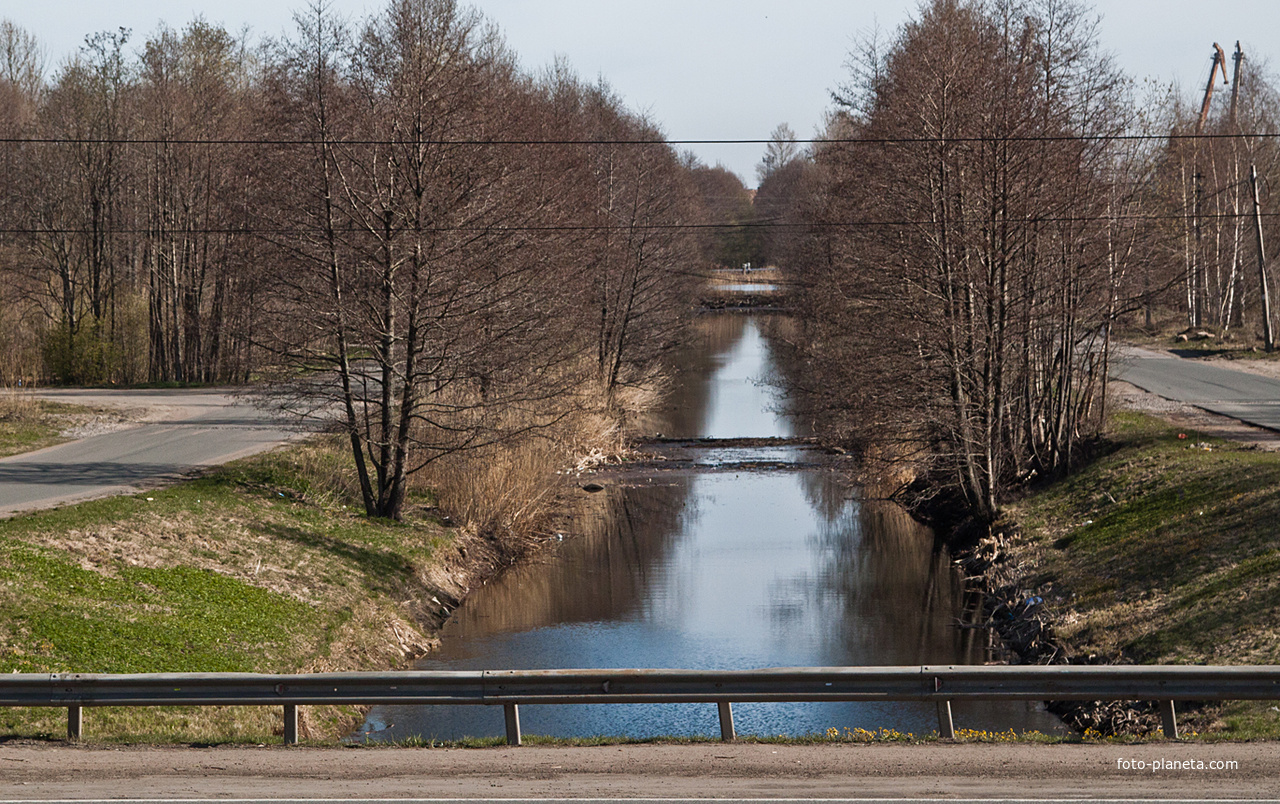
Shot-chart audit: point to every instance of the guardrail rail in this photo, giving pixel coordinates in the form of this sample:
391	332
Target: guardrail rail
511	688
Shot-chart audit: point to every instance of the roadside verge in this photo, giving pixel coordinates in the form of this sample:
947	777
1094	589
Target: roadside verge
1160	550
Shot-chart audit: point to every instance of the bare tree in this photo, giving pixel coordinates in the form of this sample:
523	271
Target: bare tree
973	304
21	89
22	65
193	87
780	152
780	205
1201	187
75	221
419	302
731	240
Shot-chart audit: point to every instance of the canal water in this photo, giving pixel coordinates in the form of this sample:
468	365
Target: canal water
720	566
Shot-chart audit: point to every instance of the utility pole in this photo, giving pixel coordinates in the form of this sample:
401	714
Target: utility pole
1219	64
1267	333
1235	83
1197	281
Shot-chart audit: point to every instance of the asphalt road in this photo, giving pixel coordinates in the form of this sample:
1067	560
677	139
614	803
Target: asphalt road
178	432
1238	394
667	772
625	800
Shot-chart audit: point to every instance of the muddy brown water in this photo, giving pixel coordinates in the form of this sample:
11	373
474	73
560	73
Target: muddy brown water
719	569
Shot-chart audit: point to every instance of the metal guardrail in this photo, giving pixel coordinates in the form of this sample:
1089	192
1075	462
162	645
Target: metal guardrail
510	688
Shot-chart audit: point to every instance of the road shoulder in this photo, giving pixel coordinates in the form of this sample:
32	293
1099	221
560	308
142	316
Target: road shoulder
675	771
1194	419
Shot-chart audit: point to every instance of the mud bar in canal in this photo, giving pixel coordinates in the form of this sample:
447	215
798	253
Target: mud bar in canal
731	443
778	454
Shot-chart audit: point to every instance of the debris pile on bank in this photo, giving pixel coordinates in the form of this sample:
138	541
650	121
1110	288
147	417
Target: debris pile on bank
1023	620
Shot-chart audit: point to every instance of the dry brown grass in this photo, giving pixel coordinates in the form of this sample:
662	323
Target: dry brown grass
15	404
27	423
503	489
507	491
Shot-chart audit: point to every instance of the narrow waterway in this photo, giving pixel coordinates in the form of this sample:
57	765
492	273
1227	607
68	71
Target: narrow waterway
720	567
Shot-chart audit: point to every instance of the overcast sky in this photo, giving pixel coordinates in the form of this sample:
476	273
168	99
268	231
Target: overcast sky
707	69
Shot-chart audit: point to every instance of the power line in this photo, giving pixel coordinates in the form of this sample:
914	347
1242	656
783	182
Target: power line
1049	138
976	221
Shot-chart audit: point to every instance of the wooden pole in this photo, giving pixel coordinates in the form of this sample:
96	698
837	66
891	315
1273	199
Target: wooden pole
1267	333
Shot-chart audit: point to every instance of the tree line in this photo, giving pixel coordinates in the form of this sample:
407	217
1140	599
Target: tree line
388	224
989	201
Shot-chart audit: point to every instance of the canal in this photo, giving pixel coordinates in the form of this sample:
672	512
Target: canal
734	557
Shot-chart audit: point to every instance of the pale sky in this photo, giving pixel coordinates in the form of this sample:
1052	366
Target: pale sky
708	69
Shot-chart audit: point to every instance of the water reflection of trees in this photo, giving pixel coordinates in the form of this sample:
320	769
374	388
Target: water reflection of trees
619	539
683	413
898	594
785	370
828	493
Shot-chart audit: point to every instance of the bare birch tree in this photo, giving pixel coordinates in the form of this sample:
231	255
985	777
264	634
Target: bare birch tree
420	303
971	304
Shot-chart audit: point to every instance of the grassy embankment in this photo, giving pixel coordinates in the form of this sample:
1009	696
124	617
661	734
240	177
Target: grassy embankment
1159	551
266	565
1164	550
262	566
28	424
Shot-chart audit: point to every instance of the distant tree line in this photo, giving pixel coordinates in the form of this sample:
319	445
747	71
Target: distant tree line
988	202
385	223
753	228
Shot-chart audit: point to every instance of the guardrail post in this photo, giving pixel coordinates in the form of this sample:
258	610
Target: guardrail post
946	726
512	712
727	732
1168	720
75	723
290	724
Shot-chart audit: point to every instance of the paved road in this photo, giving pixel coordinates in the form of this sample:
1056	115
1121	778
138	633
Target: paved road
627	800
681	772
180	431
1238	394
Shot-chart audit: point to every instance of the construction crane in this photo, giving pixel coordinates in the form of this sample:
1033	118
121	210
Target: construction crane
1219	64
